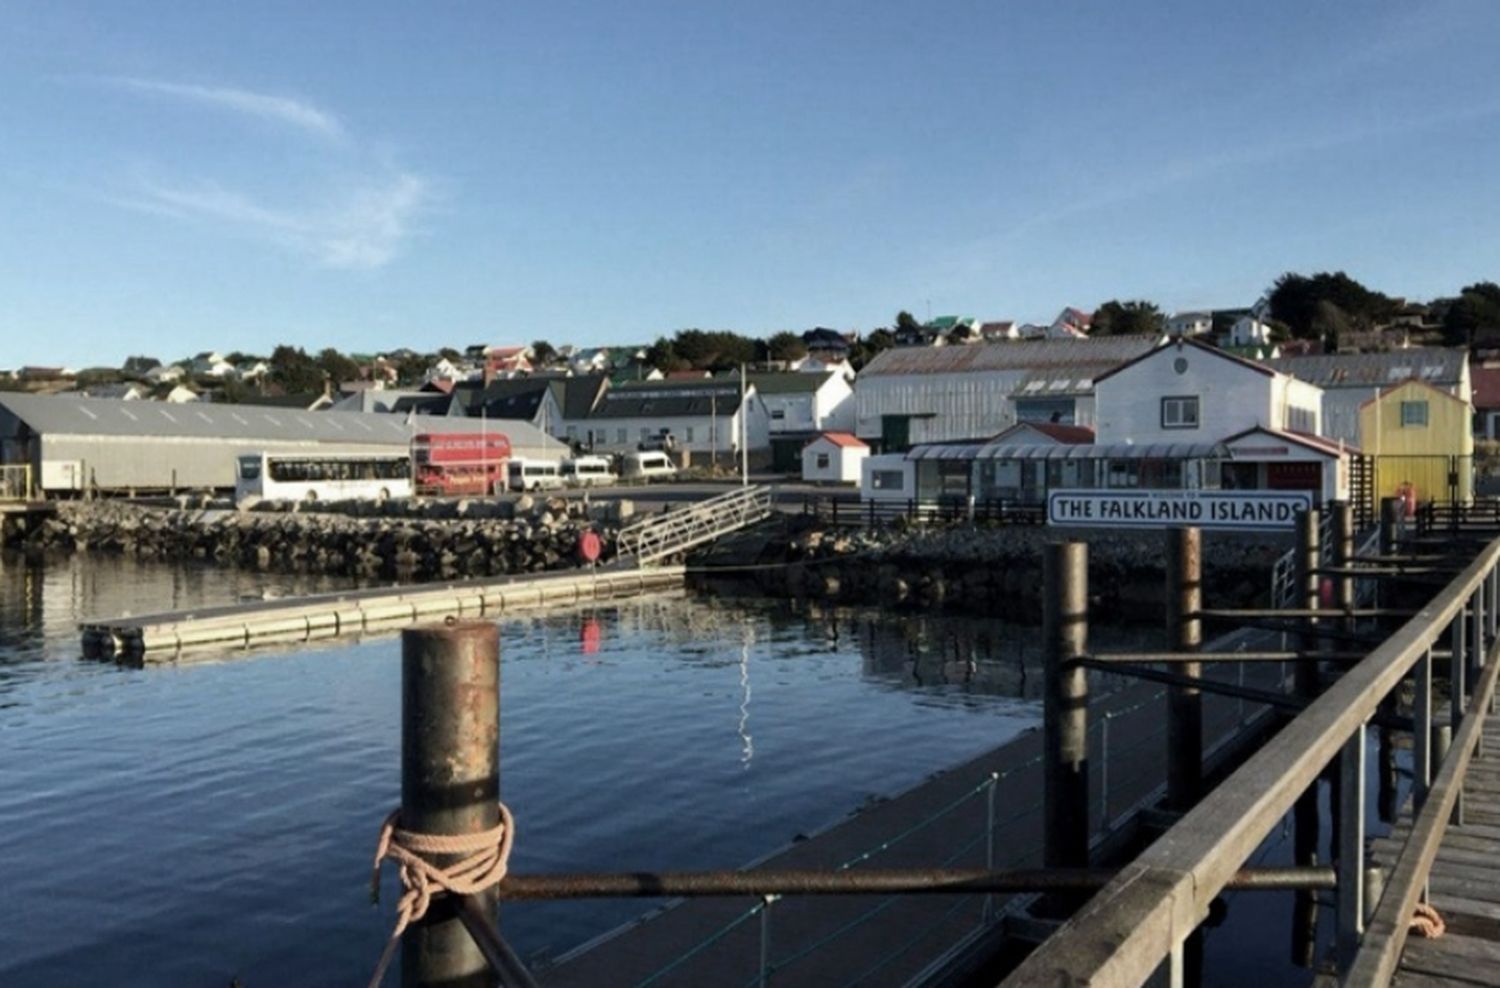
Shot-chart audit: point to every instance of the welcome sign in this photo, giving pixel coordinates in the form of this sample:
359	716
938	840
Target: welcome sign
1223	510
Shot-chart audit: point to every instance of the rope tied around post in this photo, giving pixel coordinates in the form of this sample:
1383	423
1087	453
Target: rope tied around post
1426	923
485	865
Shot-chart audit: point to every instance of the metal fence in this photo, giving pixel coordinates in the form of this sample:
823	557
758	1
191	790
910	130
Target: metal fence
837	510
15	482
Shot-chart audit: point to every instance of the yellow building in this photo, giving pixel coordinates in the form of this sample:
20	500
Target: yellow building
1420	436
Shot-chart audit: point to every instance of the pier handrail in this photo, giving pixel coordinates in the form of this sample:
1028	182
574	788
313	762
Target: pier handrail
1144	916
653	538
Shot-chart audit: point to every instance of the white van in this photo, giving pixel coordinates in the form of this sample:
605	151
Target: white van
588	471
533	475
646	465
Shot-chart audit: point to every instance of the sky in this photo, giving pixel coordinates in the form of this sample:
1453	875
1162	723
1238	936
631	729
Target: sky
368	175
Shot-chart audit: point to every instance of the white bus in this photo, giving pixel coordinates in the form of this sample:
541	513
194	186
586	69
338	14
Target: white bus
533	475
647	465
322	477
588	471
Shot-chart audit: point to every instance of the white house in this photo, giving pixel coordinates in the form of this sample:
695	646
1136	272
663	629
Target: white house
704	417
834	457
1249	331
800	406
1191	323
210	363
1187	393
165	374
917	395
1070	323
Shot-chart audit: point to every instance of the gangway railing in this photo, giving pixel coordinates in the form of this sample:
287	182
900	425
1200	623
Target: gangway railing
658	537
1145	917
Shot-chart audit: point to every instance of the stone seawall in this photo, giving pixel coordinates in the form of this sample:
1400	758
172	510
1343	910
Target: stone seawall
451	540
999	570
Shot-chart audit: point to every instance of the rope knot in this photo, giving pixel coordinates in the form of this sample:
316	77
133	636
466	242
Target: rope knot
1426	923
486	858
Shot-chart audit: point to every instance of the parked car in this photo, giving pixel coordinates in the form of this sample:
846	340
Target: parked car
533	475
646	465
588	471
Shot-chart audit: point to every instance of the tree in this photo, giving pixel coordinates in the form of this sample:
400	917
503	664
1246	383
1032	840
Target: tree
865	349
449	354
1295	301
411	369
662	355
336	367
543	353
294	371
786	346
907	323
1116	318
1474	316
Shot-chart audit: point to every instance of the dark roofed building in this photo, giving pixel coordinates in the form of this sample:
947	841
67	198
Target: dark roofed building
699	416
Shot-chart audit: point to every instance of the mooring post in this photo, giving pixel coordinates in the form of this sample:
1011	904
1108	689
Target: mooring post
1184	634
450	779
1305	814
1065	574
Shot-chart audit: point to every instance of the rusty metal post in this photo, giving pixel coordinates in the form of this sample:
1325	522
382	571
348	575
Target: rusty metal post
450	779
1066	704
1305	675
1184	634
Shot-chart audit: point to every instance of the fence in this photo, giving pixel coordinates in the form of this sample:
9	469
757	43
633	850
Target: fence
15	482
836	510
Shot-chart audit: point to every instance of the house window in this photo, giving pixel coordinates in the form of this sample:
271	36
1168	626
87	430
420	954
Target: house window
620	435
886	480
1414	415
687	433
777	414
1300	420
822	461
1179	413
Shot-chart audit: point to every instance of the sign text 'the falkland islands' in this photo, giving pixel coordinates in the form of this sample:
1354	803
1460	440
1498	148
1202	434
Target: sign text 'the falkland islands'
1244	510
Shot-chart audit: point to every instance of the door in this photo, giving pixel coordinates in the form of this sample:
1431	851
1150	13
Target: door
895	433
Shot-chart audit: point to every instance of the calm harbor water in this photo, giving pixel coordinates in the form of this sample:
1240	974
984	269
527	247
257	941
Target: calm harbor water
191	823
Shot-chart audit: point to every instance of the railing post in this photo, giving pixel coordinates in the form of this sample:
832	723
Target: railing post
765	940
1351	849
1457	666
1065	707
1343	549
1184	634
989	840
1305	676
1421	755
450	778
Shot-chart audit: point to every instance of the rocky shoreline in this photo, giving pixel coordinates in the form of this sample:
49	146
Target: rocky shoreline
410	541
993	570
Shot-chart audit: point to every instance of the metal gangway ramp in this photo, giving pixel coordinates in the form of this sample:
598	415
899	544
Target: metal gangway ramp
660	536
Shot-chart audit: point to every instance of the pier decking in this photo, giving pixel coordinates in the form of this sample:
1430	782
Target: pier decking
155	637
1464	885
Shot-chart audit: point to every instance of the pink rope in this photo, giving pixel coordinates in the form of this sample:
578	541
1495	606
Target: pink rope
487	857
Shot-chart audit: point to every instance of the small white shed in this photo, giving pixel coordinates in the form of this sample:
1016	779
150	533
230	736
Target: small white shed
834	457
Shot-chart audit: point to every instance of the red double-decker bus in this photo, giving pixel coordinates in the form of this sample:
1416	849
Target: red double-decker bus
460	462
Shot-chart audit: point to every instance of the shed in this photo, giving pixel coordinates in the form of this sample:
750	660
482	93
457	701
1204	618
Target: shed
73	443
834	457
1421	439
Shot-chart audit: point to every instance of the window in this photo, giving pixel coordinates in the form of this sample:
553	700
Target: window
687	434
886	480
1414	415
1301	420
778	414
645	434
822	461
620	435
1179	413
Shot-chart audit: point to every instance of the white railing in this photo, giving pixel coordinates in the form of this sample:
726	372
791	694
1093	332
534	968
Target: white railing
15	482
677	531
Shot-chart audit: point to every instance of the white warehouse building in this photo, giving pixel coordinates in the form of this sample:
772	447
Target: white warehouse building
912	395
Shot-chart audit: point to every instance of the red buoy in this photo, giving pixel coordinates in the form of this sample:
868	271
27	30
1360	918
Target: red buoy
590	546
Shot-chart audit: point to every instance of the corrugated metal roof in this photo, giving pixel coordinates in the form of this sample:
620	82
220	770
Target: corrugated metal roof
1436	365
669	399
1086	355
1064	451
46	414
786	382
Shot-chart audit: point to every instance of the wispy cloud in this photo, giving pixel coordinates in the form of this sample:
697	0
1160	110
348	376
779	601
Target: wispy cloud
364	229
264	106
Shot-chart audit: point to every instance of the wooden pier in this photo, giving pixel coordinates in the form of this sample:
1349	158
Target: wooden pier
158	637
1463	885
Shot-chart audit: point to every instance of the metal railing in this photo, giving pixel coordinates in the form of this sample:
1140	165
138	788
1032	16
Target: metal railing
1146	916
847	511
655	538
15	482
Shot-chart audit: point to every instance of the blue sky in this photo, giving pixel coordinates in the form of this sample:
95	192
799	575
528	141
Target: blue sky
177	177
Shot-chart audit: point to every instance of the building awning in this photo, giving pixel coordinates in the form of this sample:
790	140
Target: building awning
1071	451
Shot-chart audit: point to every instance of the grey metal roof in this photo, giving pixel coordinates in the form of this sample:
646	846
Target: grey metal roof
785	382
47	414
670	399
1435	365
1086	355
1069	451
